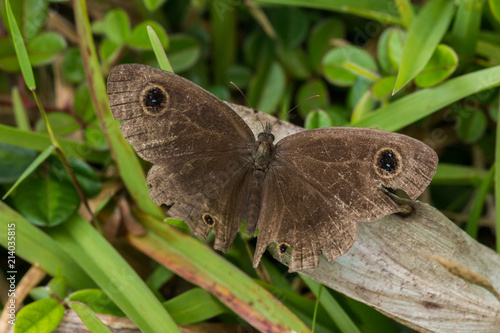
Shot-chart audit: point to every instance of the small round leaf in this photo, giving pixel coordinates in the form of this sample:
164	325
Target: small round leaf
183	52
317	119
140	38
40	316
443	62
117	26
472	124
45	201
334	70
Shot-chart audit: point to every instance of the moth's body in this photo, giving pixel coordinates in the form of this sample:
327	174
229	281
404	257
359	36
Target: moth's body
305	191
262	156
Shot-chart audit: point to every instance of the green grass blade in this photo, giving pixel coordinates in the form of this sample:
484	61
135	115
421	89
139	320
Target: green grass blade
477	206
336	312
375	10
36	247
41	141
191	260
22	54
32	167
224	31
19	110
497	179
316	304
159	51
405	9
422	103
194	306
424	34
466	28
89	318
450	174
128	164
113	275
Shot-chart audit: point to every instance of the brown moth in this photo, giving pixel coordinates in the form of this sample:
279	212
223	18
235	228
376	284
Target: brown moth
305	192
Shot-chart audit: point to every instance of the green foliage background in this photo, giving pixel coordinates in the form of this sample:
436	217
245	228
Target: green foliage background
427	69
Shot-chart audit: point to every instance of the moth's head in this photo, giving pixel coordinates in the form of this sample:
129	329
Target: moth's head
266	135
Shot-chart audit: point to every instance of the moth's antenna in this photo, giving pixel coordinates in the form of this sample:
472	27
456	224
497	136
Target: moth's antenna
241	92
296	106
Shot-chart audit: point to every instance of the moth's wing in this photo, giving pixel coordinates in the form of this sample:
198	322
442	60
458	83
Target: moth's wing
322	181
201	149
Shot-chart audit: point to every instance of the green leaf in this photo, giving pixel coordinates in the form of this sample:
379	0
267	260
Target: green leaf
72	67
358	90
59	286
334	309
472	124
94	136
239	75
406	11
308	89
97	301
194	306
22	120
382	88
476	211
38	293
333	64
183	52
395	43
157	279
221	92
89	318
109	50
39	317
294	61
417	105
290	24
443	62
424	34
318	119
45	47
83	103
363	107
117	26
46	202
30	15
339	114
495	9
359	71
22	54
85	175
380	10
29	169
38	248
319	41
13	161
161	57
383	50
140	39
40	142
8	58
224	39
153	5
61	123
113	275
267	88
466	26
258	49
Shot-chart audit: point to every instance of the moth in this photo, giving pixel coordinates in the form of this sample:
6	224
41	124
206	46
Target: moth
304	192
